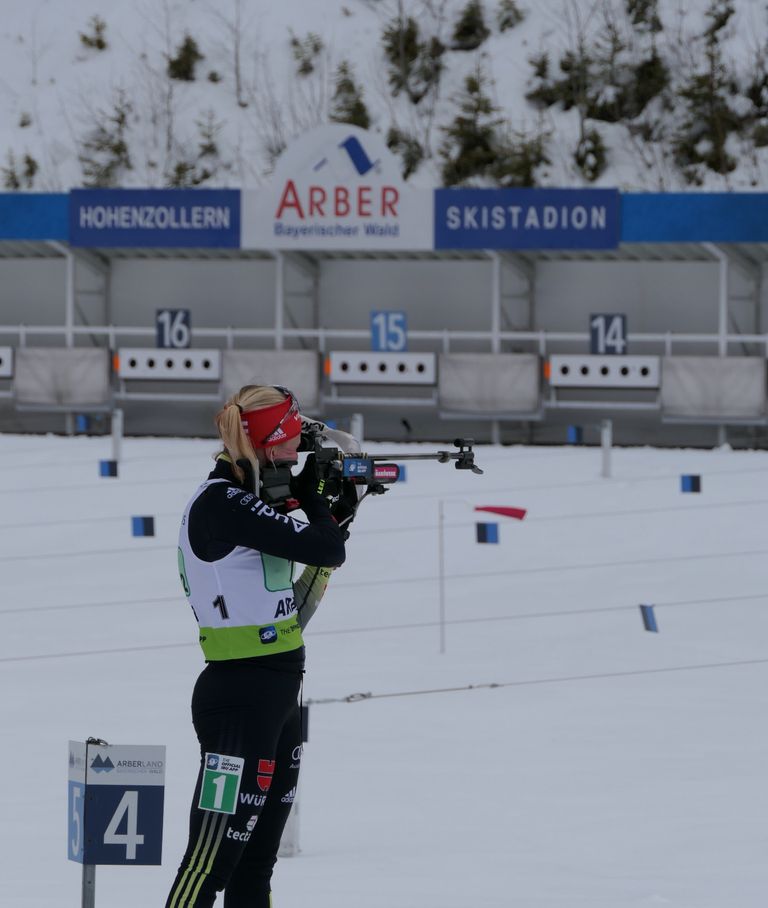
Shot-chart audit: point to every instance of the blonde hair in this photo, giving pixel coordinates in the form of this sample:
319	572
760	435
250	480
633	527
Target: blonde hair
228	421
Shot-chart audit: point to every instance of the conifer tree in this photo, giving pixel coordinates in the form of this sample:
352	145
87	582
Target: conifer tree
508	15
409	149
711	117
590	155
517	160
104	155
306	52
470	30
194	170
644	14
347	105
15	178
415	66
471	140
95	39
182	66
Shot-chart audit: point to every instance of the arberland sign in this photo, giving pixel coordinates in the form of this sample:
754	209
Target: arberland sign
337	187
126	764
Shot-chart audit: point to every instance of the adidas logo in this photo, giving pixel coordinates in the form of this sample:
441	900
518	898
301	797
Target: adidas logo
289	797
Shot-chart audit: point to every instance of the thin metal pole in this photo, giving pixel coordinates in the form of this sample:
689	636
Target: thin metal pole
441	570
495	302
356	426
89	886
69	310
117	434
722	297
279	299
89	870
606	441
722	321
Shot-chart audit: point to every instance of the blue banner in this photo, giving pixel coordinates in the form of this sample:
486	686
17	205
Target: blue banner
527	218
155	217
33	216
694	217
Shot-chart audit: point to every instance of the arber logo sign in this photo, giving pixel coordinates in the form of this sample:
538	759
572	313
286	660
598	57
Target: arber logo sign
341	200
337	187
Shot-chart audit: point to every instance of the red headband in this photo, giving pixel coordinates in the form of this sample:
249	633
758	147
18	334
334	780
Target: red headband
273	425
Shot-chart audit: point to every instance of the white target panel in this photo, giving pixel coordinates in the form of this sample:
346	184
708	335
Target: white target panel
176	365
6	362
604	371
382	368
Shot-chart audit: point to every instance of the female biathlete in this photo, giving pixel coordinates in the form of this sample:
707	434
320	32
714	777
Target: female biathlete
237	545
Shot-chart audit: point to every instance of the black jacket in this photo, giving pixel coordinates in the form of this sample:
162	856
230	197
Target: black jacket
224	517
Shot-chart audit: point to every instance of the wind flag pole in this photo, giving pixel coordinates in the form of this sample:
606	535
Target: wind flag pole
441	571
503	511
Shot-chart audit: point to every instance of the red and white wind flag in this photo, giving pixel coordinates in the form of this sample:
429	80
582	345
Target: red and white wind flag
516	513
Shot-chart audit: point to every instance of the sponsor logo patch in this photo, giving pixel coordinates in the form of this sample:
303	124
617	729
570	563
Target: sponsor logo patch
268	634
266	771
255	800
238	836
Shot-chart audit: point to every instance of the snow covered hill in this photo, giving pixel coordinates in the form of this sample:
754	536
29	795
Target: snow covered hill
75	113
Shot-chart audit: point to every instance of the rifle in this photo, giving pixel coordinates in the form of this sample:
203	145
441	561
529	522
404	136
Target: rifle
370	474
373	470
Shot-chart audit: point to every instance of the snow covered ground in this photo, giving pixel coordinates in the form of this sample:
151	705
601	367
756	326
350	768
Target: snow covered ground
610	767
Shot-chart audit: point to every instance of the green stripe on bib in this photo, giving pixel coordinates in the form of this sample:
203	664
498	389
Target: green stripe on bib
220	643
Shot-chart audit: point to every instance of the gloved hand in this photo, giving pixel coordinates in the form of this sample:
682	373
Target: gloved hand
304	484
344	508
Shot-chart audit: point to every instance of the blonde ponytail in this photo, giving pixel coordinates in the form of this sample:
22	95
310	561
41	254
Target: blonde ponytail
229	423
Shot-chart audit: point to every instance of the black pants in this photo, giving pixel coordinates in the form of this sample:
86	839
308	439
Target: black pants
242	709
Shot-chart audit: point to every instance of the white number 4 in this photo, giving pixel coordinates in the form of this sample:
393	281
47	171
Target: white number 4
128	807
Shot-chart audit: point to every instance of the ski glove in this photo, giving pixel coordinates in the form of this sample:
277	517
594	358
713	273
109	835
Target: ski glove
344	508
304	484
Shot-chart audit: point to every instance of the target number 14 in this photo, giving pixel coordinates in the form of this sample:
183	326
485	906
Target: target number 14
608	334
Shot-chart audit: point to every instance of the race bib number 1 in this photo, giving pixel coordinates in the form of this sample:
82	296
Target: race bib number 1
221	783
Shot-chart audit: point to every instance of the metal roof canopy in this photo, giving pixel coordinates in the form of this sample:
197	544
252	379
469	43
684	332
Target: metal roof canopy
753	253
745	257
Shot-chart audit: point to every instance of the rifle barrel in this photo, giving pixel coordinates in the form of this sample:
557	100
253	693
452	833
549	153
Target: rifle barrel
437	455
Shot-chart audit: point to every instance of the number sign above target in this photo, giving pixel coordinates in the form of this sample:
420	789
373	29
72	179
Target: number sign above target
173	328
389	331
608	334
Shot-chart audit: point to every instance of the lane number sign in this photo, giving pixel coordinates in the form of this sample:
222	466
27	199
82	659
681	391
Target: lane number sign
389	331
608	334
173	328
115	803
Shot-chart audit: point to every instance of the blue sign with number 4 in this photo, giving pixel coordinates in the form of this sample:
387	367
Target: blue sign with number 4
115	803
